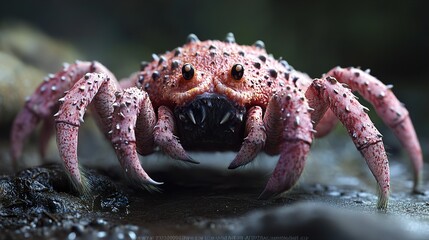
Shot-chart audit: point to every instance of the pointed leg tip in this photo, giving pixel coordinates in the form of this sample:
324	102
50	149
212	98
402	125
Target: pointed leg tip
191	160
236	164
233	166
418	183
382	203
267	194
418	191
82	185
382	206
153	182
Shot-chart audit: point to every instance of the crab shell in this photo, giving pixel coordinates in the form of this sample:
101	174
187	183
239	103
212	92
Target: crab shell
210	106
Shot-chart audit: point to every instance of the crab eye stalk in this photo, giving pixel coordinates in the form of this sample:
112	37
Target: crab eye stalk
237	71
188	71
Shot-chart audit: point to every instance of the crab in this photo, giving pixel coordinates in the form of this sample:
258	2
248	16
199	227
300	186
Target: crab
213	96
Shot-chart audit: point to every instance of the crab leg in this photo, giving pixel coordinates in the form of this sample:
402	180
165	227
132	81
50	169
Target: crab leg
254	141
96	87
42	104
328	93
133	112
290	133
165	139
388	107
326	124
329	120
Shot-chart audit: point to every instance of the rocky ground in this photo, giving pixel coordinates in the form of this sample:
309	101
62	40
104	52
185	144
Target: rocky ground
335	199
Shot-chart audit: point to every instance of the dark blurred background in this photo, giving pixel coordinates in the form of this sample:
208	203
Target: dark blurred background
389	37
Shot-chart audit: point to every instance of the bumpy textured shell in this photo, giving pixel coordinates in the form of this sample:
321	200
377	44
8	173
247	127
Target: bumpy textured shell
213	61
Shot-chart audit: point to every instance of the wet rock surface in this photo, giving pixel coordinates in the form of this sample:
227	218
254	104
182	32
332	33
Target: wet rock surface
199	201
41	202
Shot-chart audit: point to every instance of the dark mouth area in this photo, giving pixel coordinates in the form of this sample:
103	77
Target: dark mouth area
210	122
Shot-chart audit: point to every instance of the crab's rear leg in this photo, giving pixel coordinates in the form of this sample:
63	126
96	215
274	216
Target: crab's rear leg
388	107
328	93
42	104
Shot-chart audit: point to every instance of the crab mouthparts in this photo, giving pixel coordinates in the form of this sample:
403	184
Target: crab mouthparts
210	122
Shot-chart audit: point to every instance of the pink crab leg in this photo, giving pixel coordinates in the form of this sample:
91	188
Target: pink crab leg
388	107
329	120
328	93
290	132
93	86
23	125
165	139
42	104
254	141
132	107
326	124
146	122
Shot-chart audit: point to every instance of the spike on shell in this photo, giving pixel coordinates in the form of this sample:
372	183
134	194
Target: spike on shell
192	38
230	38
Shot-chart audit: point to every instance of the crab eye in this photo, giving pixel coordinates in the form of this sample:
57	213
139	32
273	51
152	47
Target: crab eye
188	71
237	71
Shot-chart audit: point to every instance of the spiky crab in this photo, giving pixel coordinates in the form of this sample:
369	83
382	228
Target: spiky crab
214	95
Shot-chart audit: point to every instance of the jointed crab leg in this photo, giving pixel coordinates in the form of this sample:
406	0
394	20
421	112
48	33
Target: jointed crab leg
328	93
388	107
93	87
165	138
43	103
254	141
23	125
289	131
326	124
132	111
